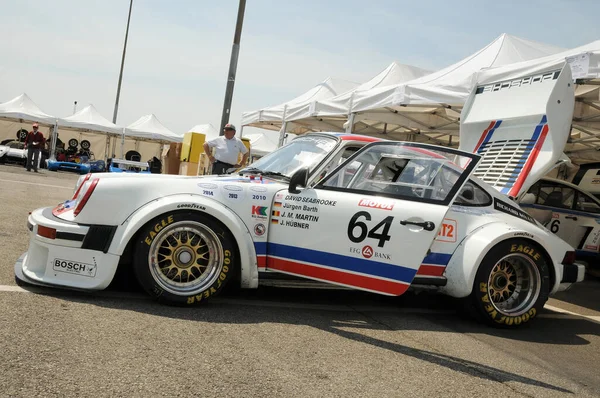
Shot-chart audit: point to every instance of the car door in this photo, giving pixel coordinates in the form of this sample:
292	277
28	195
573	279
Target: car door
370	223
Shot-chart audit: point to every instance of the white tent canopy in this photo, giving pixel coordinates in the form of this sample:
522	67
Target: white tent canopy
148	127
432	103
89	119
272	118
264	143
23	109
452	85
331	113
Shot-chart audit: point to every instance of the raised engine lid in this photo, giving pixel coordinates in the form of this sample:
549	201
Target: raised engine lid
519	126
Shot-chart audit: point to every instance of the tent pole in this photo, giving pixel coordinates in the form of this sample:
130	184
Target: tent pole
122	143
283	128
53	141
350	122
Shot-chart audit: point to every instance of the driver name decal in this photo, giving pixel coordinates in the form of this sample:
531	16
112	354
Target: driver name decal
297	211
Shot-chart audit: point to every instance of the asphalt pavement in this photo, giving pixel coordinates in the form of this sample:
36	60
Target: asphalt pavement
282	340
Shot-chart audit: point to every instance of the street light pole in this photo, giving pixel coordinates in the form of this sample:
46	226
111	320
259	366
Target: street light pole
122	64
232	66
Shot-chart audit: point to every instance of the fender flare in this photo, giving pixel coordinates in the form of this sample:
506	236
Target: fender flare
465	261
142	215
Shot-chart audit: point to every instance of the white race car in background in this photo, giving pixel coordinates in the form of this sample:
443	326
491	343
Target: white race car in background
354	211
568	212
13	151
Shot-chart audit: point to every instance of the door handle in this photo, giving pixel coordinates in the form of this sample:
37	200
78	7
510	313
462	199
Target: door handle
427	225
571	217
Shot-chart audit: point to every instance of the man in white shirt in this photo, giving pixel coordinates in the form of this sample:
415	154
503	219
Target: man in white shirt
227	150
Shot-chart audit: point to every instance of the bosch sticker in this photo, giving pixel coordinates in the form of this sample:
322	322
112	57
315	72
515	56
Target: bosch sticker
74	267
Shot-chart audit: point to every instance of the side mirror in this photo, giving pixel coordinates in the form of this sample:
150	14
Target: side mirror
528	199
299	178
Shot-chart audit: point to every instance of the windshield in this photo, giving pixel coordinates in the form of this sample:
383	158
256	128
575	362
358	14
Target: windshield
304	151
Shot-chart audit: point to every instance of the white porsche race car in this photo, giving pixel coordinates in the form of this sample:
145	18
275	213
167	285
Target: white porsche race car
354	211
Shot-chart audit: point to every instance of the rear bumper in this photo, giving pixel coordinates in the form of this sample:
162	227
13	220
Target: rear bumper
573	273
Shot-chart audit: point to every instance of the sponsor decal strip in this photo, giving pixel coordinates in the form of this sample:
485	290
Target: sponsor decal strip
261	254
539	136
431	270
434	264
344	263
338	277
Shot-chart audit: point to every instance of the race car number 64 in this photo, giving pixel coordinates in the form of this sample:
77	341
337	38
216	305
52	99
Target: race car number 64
355	225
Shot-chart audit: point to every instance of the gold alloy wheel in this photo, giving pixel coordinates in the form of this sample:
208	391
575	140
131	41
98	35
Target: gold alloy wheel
185	258
514	284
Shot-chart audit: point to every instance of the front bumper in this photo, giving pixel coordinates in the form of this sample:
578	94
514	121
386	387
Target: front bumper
76	258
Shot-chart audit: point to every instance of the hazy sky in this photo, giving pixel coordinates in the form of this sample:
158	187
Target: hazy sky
178	53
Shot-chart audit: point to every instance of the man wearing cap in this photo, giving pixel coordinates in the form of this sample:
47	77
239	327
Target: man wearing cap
34	144
227	150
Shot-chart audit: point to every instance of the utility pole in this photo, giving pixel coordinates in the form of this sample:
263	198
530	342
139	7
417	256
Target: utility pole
232	66
122	64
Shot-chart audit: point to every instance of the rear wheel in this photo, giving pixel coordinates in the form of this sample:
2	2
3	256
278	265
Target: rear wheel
512	284
184	258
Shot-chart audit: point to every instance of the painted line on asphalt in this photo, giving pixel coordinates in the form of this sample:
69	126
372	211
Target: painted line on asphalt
566	312
36	183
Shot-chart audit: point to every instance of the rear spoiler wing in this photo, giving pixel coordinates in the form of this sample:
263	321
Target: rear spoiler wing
519	127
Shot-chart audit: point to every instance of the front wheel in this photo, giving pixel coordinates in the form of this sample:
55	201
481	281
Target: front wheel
184	258
511	285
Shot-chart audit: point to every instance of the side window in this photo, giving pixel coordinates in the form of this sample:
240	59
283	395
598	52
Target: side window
402	171
346	154
554	195
587	204
349	151
473	195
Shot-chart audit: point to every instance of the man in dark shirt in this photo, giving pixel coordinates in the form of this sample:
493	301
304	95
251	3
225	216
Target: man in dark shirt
34	144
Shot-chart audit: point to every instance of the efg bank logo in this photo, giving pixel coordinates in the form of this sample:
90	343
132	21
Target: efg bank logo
368	252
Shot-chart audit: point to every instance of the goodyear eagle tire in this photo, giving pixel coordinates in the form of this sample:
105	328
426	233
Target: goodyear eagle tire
184	258
511	285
